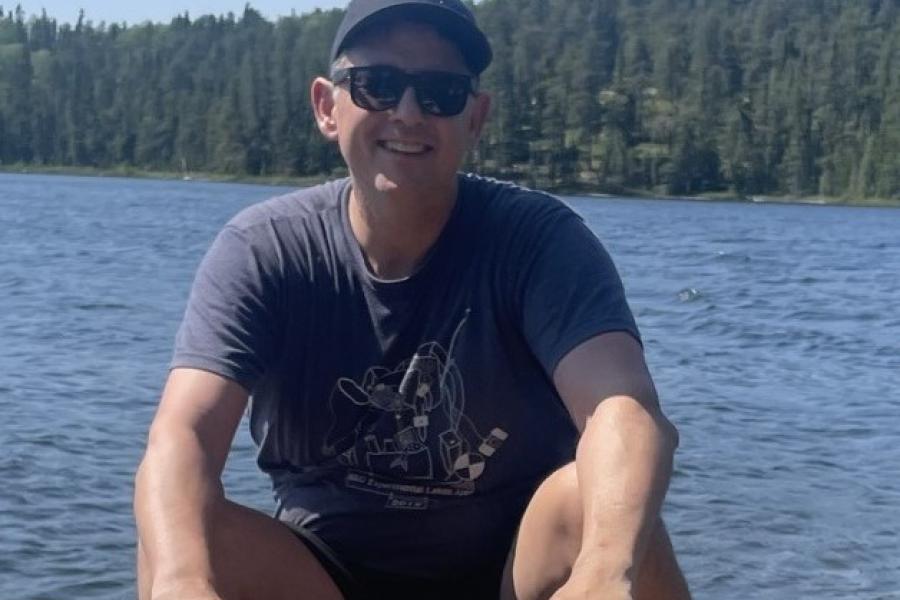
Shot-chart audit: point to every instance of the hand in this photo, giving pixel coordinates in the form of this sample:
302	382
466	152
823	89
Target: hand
591	580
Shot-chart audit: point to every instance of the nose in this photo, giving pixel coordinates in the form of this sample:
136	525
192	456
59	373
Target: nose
408	110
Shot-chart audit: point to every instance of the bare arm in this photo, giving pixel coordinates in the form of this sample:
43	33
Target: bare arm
178	484
624	456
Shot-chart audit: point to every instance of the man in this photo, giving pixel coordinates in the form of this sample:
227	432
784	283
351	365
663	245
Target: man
448	388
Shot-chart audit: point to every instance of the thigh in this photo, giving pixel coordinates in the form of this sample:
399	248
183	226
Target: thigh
263	559
255	557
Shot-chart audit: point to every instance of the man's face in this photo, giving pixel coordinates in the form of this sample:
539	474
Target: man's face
403	148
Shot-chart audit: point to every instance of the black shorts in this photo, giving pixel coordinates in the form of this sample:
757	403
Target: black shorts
359	583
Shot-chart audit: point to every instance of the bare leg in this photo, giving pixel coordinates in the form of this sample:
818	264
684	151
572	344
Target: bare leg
256	558
549	541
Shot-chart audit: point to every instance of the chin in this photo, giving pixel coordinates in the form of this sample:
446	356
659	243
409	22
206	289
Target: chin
386	184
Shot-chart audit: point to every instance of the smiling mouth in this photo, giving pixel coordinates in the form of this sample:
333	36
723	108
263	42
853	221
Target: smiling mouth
405	148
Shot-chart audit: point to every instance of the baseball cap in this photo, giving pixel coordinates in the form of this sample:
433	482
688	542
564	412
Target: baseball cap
451	18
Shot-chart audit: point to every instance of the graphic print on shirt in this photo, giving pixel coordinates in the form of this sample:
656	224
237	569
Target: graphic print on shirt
403	432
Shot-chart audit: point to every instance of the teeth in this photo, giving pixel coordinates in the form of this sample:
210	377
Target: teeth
406	147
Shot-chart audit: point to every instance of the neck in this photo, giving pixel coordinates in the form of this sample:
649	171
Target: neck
395	231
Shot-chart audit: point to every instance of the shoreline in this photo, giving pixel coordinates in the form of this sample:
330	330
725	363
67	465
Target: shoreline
757	199
727	197
582	190
134	173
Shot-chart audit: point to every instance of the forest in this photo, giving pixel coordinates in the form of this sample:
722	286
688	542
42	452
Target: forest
745	98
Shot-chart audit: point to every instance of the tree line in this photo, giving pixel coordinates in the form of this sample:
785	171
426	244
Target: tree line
749	97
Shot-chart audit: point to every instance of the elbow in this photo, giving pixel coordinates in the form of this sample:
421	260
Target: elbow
625	413
141	485
175	458
160	456
154	439
144	474
669	433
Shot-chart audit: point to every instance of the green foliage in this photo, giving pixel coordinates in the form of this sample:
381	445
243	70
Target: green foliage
755	97
213	94
684	97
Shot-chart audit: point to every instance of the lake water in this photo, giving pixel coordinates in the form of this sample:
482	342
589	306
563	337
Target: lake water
773	333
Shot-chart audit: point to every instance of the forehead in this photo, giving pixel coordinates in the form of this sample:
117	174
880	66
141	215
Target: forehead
407	45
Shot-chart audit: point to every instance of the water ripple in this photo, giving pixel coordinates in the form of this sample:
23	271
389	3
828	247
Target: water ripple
770	332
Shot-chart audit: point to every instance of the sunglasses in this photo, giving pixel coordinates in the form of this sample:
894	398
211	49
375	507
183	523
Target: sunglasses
380	87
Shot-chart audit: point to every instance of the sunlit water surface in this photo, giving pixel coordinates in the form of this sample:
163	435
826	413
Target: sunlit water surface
772	331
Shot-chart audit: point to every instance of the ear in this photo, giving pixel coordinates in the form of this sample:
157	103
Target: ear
481	110
322	99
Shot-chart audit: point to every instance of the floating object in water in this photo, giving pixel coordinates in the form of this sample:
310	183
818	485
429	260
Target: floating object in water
689	294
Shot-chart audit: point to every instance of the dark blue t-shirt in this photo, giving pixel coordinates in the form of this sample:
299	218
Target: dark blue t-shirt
407	423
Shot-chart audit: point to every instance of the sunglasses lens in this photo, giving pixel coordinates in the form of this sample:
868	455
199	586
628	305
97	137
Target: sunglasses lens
380	88
377	88
443	94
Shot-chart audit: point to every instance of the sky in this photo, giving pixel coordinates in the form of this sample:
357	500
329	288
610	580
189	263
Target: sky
131	11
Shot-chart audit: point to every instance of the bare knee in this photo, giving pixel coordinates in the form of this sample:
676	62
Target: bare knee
549	538
254	556
549	542
559	501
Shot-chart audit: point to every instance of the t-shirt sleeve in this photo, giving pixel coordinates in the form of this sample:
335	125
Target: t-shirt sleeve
230	324
570	291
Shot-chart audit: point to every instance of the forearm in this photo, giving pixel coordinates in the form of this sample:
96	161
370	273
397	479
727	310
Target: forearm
176	492
624	462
